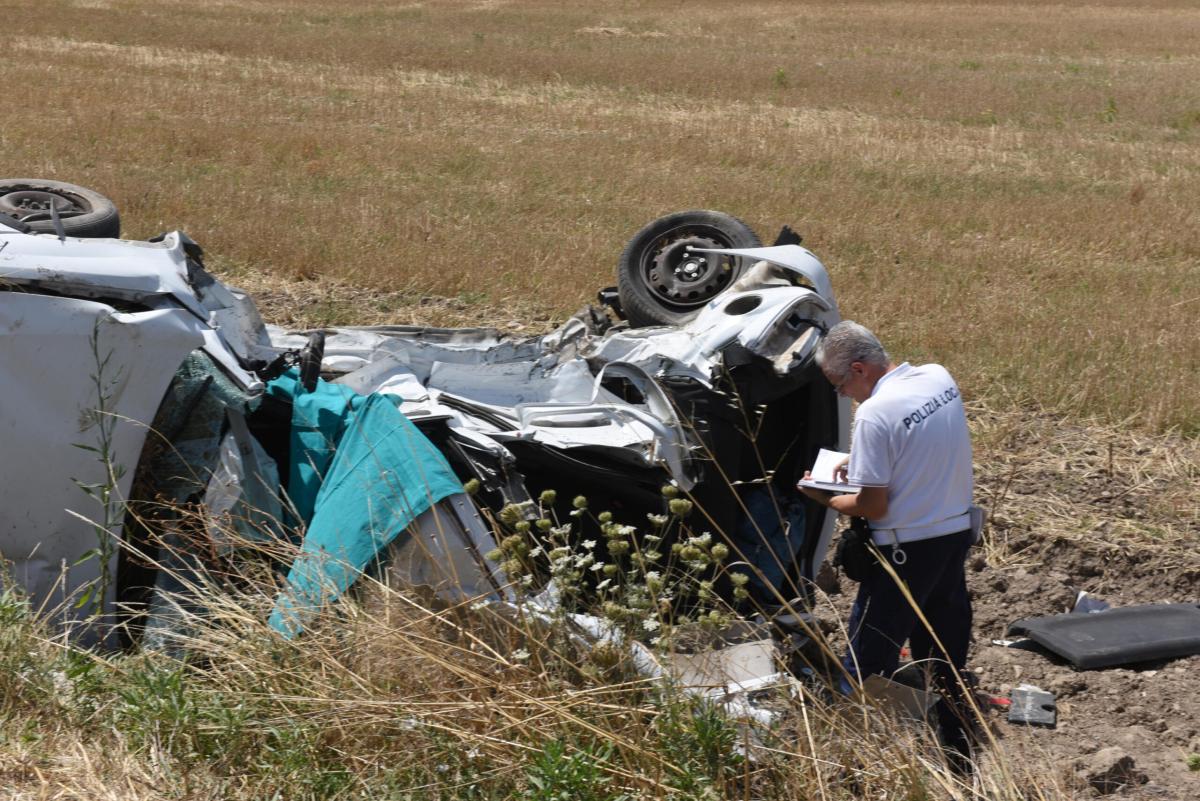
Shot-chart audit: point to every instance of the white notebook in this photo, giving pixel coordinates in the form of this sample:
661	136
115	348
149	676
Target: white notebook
822	473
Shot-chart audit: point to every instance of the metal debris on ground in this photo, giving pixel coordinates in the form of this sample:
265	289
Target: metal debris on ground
1033	706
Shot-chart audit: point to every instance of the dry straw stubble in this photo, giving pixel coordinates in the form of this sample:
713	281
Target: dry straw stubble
1008	189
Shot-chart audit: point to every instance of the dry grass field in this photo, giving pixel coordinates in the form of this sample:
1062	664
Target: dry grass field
1009	188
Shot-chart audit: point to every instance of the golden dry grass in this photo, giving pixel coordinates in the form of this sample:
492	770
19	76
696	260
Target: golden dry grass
1008	188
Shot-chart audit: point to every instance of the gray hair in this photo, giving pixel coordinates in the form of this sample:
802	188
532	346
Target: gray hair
846	343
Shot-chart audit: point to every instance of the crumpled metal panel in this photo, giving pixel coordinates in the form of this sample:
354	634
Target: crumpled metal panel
649	431
101	268
548	388
538	391
445	549
512	384
765	321
153	274
50	372
790	257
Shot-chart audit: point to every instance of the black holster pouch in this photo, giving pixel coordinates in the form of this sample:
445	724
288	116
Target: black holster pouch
855	554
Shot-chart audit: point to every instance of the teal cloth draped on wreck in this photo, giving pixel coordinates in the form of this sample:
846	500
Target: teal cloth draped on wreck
360	472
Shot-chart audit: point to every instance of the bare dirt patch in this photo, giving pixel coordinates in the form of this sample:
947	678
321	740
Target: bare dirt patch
1115	514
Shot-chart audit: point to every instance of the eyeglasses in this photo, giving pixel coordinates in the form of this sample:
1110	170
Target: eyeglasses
843	382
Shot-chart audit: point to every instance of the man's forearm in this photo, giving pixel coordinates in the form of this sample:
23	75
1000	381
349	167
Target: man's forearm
869	502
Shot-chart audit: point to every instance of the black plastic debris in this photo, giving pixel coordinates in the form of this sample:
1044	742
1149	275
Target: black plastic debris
1119	636
1033	706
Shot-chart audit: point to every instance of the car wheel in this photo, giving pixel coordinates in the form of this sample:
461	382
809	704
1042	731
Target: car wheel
661	282
83	213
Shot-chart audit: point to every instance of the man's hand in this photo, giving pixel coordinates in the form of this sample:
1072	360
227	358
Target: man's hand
841	470
868	502
820	496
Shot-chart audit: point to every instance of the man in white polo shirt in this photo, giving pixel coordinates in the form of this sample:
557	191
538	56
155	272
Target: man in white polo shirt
911	454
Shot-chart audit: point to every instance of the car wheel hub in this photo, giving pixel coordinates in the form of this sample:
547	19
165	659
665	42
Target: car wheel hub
31	201
684	278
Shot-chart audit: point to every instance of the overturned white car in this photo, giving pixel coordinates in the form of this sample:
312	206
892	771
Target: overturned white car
138	385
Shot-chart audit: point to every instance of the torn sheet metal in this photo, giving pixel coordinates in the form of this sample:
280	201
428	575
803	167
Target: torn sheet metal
648	431
550	388
773	322
445	550
513	390
1033	706
102	268
790	257
414	347
57	386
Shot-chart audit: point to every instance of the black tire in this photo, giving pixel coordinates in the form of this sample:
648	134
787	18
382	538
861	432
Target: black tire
660	283
83	213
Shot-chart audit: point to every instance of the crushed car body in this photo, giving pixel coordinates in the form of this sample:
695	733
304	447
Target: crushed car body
150	412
